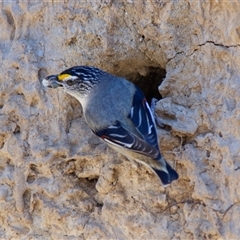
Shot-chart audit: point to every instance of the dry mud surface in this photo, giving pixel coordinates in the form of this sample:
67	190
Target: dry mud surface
59	181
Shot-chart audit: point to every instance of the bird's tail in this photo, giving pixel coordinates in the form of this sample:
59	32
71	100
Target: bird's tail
166	176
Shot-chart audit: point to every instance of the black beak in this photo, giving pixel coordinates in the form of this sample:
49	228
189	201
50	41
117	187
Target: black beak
51	82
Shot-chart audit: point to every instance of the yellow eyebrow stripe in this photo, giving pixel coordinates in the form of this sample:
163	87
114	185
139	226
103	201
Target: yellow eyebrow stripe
61	77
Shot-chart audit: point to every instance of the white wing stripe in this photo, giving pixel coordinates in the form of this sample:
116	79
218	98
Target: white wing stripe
140	118
132	109
116	145
117	135
113	127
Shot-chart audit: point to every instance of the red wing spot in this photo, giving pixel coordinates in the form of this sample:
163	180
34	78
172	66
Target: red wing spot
106	137
144	101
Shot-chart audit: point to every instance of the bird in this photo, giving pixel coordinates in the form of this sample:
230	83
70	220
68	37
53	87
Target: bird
117	111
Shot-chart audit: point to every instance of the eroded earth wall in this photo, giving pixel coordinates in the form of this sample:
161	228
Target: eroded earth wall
59	181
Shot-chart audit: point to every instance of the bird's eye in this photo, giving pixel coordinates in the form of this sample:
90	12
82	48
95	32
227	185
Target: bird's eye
70	82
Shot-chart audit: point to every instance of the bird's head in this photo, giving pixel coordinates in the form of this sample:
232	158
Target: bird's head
77	81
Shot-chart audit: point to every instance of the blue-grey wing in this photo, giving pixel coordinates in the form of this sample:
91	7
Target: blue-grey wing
143	119
145	142
119	136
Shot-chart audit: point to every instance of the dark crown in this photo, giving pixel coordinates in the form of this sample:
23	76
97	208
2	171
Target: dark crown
85	73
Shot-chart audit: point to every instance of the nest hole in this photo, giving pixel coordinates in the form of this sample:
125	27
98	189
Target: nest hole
150	82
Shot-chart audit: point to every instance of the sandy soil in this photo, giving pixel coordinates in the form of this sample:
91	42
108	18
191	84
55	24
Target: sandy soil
59	181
